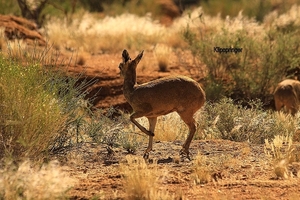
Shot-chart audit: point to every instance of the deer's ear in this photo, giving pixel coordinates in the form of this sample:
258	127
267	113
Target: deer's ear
139	57
125	56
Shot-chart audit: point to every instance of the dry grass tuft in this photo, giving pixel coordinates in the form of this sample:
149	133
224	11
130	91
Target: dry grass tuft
81	58
162	55
16	49
201	172
281	170
283	154
279	148
141	181
138	178
27	182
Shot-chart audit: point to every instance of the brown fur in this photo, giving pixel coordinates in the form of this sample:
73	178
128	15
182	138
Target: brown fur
160	97
287	94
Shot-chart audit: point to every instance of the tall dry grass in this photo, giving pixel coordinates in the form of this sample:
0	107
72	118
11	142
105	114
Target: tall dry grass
109	34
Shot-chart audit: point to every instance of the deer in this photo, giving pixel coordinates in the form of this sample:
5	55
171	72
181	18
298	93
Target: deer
159	97
287	94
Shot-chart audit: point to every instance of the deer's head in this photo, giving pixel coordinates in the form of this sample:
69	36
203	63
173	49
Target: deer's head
128	66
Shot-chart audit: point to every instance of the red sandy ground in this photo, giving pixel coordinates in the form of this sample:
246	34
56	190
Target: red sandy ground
245	173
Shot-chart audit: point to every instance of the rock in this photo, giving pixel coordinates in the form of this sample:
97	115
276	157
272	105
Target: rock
20	28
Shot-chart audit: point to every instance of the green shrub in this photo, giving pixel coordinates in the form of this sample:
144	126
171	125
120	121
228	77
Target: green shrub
30	116
232	121
37	107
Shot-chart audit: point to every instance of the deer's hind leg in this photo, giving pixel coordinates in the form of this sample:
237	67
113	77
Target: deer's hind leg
187	117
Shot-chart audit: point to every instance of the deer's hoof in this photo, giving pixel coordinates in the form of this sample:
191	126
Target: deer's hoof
146	156
184	154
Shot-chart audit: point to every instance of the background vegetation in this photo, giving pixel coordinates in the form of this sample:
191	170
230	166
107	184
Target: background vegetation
269	51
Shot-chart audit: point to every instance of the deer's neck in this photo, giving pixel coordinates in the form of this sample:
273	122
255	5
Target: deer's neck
129	83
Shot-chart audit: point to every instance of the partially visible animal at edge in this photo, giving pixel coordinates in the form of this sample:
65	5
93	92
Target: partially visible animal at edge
287	94
160	97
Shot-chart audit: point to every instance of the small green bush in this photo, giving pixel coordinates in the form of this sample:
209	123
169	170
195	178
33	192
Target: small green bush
226	119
